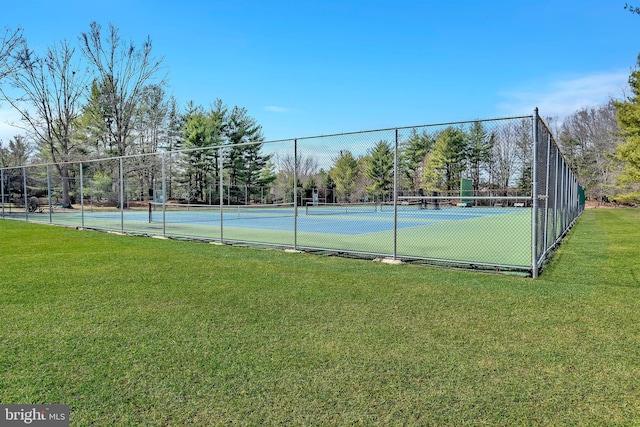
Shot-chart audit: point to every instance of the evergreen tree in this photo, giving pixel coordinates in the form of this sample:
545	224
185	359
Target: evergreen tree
244	162
174	136
327	185
202	132
413	154
17	153
379	169
265	181
93	124
480	146
628	152
344	173
446	162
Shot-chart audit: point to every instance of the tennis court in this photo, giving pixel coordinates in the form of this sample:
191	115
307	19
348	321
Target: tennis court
363	194
460	234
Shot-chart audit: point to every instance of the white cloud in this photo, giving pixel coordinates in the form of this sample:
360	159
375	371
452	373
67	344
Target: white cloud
275	109
564	97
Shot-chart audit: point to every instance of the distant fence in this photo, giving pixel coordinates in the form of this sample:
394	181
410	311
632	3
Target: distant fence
490	194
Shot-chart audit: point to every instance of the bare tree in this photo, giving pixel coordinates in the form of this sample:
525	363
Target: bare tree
50	91
151	118
123	71
588	140
505	157
305	166
151	129
9	42
631	8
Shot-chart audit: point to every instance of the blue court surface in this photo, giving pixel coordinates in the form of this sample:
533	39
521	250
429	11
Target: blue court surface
328	222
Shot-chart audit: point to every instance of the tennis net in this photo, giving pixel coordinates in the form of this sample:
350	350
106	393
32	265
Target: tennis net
339	208
187	213
402	206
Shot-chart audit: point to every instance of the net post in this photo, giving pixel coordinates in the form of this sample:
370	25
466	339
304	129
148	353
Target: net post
534	202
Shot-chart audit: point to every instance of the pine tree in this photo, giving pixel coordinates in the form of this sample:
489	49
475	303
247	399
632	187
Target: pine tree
344	173
379	169
244	162
413	156
446	162
628	152
202	133
480	145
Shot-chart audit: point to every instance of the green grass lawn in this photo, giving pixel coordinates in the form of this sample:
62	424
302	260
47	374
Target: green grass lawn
140	331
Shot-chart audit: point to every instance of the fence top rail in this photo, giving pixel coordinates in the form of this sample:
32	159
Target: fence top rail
461	122
458	196
223	146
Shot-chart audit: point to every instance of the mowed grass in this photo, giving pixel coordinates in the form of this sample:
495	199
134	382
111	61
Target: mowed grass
140	331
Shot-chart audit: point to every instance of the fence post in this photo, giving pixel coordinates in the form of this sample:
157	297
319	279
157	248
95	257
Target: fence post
164	195
2	189
395	197
565	215
24	189
121	194
49	193
295	194
221	183
534	203
546	199
81	196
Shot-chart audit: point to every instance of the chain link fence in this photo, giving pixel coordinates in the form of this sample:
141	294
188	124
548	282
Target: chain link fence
485	194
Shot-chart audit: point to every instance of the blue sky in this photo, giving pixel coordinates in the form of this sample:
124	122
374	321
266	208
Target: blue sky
304	68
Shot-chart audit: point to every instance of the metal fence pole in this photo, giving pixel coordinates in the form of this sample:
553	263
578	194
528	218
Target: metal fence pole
220	164
81	196
556	232
546	198
2	189
164	195
24	189
49	194
295	194
574	197
395	197
565	171
534	203
122	194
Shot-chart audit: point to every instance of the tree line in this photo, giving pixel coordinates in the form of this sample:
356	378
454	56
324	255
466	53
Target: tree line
104	96
495	156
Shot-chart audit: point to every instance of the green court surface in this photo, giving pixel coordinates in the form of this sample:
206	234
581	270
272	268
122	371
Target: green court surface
478	235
